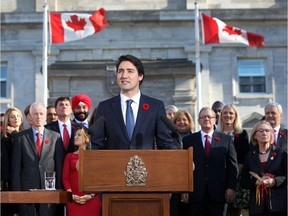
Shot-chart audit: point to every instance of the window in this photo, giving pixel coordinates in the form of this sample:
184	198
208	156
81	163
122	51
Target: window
3	80
252	76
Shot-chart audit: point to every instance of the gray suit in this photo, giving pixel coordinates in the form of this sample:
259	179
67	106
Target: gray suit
28	168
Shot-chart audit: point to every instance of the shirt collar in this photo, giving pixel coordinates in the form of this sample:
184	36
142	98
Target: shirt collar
203	133
277	128
135	98
68	123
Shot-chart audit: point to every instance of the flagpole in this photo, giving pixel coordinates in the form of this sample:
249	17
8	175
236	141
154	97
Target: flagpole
198	72
45	55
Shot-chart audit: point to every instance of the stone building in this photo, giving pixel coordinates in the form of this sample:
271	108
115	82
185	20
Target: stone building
161	33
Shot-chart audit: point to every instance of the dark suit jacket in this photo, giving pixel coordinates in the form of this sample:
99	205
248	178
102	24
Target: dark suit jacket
55	127
111	130
282	139
216	173
28	168
277	166
241	144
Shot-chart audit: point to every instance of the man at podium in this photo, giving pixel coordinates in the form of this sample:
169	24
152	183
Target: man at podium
130	120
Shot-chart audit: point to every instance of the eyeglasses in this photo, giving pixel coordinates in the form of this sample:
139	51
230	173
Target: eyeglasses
262	131
51	114
204	117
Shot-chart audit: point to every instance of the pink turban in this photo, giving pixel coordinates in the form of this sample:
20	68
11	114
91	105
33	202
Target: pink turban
81	98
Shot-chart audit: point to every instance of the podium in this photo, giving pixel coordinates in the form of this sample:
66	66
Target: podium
136	182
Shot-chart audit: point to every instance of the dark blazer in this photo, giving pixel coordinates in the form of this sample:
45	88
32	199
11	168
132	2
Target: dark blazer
110	132
54	126
241	144
282	139
27	167
216	173
277	166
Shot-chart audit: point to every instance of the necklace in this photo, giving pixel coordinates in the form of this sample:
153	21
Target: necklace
265	152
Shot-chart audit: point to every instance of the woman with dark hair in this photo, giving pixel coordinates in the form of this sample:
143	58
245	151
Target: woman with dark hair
265	173
83	204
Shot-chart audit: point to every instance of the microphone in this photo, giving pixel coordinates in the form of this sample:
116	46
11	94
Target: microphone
173	128
169	124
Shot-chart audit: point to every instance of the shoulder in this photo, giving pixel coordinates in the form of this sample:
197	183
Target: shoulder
109	101
51	125
147	99
192	136
51	132
23	133
221	135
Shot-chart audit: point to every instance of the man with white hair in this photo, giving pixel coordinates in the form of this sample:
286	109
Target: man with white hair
274	114
35	151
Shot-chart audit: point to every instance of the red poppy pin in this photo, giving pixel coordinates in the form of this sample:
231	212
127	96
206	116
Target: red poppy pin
281	133
273	155
145	106
46	142
73	127
217	138
237	135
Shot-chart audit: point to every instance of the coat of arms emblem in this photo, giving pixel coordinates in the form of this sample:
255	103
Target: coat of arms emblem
135	173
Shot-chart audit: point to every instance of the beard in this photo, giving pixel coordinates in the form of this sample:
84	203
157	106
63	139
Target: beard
81	116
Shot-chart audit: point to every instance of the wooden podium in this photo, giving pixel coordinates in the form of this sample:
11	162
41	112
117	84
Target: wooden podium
136	182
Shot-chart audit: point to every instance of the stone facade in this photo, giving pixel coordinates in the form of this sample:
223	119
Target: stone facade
162	35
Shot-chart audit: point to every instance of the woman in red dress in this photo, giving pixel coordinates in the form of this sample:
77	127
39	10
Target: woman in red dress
83	204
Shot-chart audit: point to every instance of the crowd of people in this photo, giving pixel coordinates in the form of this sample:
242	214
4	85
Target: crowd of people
231	173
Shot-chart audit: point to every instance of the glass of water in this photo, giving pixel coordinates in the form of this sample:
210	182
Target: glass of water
50	180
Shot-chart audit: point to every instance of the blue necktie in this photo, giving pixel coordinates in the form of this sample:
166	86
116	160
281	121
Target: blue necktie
129	119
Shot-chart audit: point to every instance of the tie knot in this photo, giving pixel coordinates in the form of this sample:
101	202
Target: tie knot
64	125
275	131
38	134
129	102
207	136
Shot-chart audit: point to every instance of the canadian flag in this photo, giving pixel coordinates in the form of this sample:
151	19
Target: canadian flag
66	27
216	31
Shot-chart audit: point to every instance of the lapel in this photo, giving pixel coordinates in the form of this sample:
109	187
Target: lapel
31	141
116	107
45	144
200	143
257	163
141	115
269	161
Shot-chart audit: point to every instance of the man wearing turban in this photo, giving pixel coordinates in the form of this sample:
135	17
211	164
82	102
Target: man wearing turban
81	105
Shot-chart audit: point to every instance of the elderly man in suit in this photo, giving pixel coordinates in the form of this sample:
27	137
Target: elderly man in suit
274	114
35	151
130	120
216	169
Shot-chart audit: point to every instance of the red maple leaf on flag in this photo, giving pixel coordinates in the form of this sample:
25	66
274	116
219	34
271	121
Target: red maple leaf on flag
231	30
76	24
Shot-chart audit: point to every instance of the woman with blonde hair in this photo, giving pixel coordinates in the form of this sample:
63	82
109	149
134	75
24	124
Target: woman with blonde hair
12	124
185	124
230	123
265	173
83	204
